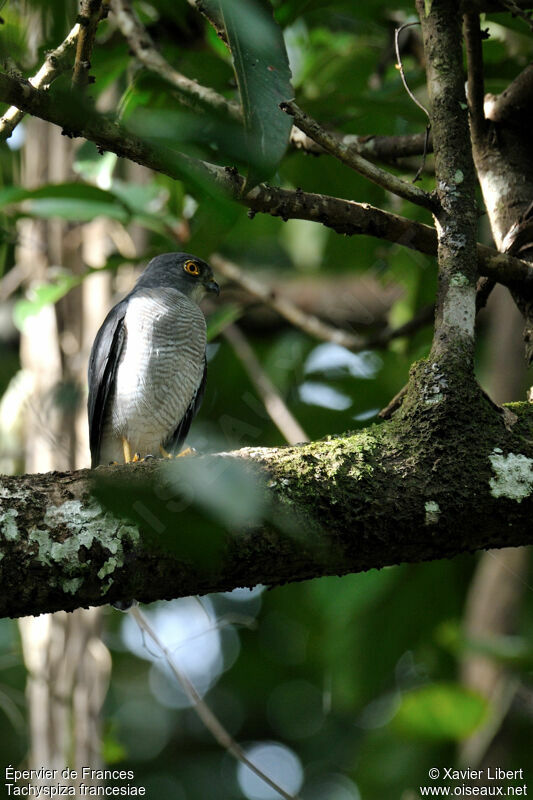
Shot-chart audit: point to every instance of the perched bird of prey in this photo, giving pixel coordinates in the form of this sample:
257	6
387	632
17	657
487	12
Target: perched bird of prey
147	368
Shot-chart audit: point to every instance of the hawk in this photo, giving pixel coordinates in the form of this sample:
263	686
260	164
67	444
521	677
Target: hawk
147	368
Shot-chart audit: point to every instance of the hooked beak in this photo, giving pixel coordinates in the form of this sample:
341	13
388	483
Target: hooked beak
213	286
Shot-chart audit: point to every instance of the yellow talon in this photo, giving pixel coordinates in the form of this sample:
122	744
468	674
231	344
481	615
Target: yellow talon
188	451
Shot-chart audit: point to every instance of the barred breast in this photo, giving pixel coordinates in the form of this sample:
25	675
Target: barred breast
159	371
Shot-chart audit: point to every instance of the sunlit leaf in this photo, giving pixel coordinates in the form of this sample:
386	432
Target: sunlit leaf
221	319
71	201
440	711
43	295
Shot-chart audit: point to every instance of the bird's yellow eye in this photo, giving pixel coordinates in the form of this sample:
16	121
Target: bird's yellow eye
191	267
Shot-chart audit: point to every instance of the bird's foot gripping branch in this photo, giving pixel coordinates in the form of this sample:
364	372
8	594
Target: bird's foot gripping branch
448	474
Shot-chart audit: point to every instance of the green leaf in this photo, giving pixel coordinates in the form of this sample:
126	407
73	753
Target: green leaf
43	295
264	80
221	319
442	711
71	201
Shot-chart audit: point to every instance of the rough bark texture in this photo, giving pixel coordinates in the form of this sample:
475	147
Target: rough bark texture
455	310
501	127
443	477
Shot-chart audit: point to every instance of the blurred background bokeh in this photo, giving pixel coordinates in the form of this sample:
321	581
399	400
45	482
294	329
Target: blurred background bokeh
340	688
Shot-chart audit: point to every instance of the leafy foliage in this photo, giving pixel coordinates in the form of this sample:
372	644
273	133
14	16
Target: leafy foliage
355	675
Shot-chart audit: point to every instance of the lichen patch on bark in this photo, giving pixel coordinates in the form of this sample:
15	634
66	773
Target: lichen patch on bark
432	510
84	524
514	475
8	524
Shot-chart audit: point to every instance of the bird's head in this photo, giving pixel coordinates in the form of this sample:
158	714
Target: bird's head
181	271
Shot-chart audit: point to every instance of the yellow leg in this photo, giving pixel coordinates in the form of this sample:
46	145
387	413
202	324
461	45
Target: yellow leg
126	450
188	451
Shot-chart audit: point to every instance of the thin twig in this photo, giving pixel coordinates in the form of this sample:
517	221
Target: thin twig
211	722
355	161
306	322
400	66
189	91
310	324
394	404
274	404
89	17
410	93
420	320
516	11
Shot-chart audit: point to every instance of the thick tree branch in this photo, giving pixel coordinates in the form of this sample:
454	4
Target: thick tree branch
350	218
454	167
514	104
355	161
385	495
343	216
374	148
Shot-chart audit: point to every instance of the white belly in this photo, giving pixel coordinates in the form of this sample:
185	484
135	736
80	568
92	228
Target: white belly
159	372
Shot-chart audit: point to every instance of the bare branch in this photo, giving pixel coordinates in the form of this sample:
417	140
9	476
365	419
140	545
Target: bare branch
344	216
515	103
211	722
517	11
190	92
375	148
454	166
424	317
309	323
281	416
475	86
306	322
89	17
57	61
355	161
394	404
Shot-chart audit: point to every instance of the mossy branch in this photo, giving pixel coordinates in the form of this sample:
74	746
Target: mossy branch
445	476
